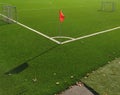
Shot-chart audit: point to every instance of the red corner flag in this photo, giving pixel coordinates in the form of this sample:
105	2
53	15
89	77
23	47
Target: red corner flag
61	16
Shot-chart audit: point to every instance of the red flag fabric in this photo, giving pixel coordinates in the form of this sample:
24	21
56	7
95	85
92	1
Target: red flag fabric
61	16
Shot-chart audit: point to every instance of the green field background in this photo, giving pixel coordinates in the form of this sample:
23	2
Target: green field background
81	16
17	45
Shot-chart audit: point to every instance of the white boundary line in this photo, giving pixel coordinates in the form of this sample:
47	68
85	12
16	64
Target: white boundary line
32	29
58	42
90	35
57	37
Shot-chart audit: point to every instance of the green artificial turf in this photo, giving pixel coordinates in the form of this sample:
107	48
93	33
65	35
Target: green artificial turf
106	79
48	62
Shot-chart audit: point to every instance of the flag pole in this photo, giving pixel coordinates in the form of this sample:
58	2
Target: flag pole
60	29
61	18
59	24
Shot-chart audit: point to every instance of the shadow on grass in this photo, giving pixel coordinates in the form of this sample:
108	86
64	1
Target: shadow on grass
91	89
17	69
42	53
25	65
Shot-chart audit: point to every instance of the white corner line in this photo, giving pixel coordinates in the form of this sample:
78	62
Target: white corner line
56	41
32	29
65	37
90	35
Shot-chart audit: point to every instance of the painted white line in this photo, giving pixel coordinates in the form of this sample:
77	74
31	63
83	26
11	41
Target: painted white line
64	37
52	38
32	29
90	35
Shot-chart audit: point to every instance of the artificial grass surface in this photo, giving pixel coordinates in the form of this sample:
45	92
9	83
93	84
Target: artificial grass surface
18	45
81	17
106	79
71	59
